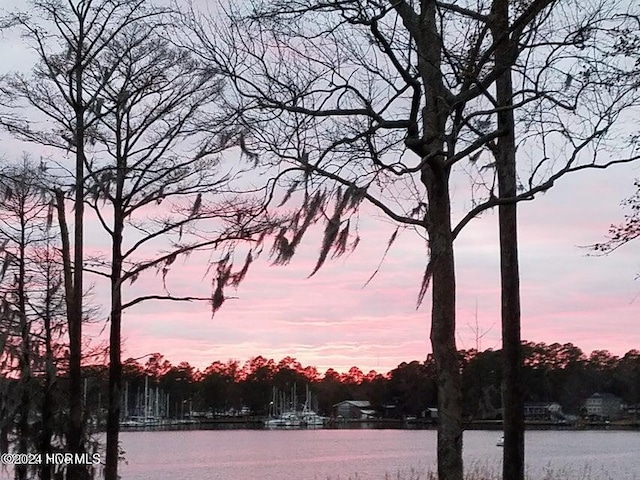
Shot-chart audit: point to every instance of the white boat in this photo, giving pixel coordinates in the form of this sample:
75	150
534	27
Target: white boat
141	422
284	412
500	442
312	419
131	423
291	419
273	423
286	420
308	416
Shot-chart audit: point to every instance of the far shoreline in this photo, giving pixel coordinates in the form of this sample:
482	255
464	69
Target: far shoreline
257	423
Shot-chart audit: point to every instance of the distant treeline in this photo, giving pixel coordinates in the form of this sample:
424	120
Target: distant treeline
553	373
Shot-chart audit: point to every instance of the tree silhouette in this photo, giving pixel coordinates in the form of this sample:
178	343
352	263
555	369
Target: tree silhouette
391	103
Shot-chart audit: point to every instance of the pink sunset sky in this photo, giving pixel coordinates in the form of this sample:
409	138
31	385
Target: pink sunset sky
329	320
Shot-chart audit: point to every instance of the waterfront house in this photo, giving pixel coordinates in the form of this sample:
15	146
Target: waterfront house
603	406
543	411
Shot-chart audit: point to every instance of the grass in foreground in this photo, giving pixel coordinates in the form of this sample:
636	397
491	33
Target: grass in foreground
480	471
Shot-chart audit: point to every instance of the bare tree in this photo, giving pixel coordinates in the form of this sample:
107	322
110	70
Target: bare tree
154	155
34	306
49	306
625	232
68	37
627	45
21	227
394	102
149	156
27	295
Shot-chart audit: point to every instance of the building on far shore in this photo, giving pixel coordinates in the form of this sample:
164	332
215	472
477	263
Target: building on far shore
354	410
603	406
541	411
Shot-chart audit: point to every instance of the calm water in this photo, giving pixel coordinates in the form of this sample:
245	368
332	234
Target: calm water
364	454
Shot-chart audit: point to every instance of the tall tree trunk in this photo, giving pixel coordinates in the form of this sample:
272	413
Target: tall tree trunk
25	349
4	437
47	405
75	437
443	322
435	177
49	379
115	363
7	420
115	334
512	398
74	434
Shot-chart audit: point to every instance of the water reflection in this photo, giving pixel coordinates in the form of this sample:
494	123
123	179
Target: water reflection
365	454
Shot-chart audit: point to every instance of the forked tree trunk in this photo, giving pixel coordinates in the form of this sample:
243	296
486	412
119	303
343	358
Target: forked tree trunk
74	429
512	398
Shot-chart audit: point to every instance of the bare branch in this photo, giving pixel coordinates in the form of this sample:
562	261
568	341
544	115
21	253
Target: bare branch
145	298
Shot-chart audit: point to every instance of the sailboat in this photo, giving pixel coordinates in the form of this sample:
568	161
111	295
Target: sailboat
282	412
151	410
309	417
